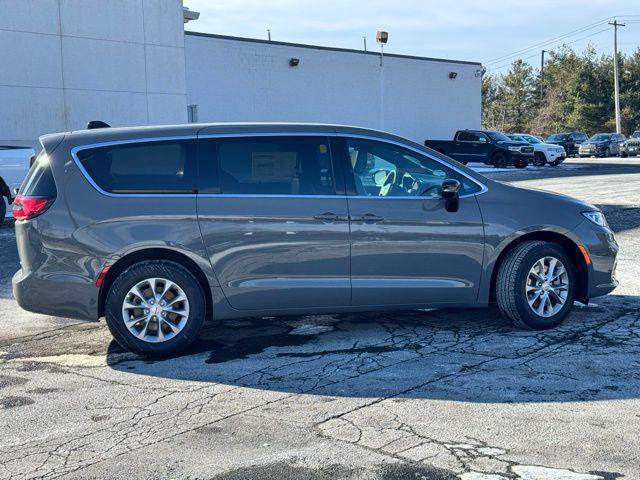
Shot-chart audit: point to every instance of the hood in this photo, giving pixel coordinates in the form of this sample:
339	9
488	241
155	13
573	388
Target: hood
534	196
600	142
513	143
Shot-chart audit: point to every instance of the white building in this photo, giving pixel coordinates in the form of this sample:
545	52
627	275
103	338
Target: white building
129	62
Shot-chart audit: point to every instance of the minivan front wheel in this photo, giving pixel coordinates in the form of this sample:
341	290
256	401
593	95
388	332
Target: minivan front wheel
535	285
155	307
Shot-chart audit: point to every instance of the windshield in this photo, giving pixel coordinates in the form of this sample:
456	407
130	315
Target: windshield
517	138
558	137
531	139
601	137
498	136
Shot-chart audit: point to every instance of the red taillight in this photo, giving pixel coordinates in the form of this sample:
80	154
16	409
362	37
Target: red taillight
25	208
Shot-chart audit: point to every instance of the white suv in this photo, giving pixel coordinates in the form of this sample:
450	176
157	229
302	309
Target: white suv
544	153
14	165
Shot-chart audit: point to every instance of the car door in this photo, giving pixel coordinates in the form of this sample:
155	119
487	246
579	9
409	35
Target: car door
406	249
274	220
471	146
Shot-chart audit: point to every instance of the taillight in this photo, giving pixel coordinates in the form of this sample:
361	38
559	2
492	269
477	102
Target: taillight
25	208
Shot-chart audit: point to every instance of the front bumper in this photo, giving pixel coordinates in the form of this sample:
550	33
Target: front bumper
555	156
602	247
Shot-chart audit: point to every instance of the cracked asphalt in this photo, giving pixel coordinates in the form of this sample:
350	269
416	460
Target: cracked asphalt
440	394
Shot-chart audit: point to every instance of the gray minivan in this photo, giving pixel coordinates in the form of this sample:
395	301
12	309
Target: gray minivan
161	228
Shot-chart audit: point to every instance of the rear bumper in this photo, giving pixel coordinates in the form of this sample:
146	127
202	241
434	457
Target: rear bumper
61	296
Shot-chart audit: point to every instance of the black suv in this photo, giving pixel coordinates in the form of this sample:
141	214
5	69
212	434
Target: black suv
571	141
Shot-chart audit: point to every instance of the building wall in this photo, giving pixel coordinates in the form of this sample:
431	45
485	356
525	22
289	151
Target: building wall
65	62
239	80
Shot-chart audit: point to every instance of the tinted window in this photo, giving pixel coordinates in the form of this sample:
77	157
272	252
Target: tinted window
382	169
466	136
276	166
145	167
39	181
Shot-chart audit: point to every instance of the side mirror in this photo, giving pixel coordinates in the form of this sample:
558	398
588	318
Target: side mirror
451	194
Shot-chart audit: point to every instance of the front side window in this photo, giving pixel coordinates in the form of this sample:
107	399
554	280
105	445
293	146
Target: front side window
143	167
382	169
275	166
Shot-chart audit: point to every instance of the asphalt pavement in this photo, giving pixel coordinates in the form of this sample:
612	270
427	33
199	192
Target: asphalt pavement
441	394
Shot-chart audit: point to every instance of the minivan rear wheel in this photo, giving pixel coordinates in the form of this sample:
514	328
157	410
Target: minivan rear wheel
535	285
155	307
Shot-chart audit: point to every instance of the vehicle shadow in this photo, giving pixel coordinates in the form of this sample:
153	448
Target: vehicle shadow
459	355
573	168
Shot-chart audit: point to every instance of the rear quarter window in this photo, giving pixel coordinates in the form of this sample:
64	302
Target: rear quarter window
142	167
39	181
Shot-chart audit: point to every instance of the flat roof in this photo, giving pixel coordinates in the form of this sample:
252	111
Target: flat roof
318	47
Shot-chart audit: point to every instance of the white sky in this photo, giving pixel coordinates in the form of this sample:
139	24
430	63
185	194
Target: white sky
458	29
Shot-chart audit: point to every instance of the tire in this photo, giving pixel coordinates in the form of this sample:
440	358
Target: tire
185	285
3	209
500	160
512	282
539	159
607	153
624	154
520	163
555	163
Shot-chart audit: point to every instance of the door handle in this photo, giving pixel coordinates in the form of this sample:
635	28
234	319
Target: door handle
368	218
327	217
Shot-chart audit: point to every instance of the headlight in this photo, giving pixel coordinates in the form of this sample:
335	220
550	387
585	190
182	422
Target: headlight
596	217
514	149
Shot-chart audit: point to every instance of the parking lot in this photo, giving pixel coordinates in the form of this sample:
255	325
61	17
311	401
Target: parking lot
441	394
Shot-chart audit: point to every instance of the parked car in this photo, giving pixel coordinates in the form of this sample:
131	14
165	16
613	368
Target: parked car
631	147
602	145
570	141
14	165
161	228
543	153
484	146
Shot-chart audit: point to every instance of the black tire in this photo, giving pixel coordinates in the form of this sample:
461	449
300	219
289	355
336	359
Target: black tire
521	163
511	284
624	154
3	209
539	159
607	153
138	272
555	163
500	160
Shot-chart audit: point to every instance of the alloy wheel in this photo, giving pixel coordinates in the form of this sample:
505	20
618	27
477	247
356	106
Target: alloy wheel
547	286
155	310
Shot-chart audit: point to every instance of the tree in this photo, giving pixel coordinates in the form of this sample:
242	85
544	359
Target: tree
578	94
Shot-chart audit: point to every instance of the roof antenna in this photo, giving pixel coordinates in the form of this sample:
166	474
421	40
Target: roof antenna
97	124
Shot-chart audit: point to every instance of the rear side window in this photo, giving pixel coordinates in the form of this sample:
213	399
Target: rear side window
143	167
39	181
276	166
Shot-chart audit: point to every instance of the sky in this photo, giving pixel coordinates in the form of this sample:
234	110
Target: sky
488	31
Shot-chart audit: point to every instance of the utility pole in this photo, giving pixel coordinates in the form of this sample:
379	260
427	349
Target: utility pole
364	39
542	75
269	34
616	80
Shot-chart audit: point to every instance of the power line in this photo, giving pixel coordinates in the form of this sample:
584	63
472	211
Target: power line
546	42
565	43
